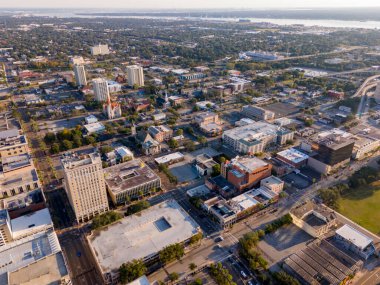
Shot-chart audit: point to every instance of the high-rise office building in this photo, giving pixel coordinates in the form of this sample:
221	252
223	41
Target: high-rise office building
135	75
84	184
80	75
101	91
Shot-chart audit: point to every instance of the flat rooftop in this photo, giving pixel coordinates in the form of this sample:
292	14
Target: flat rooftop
127	175
22	253
71	160
354	236
293	155
248	163
31	223
143	235
168	158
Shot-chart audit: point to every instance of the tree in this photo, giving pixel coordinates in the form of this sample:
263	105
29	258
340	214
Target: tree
192	266
197	281
215	170
66	144
171	252
77	140
50	138
131	271
202	140
138	207
283	278
189	145
179	132
90	140
173	144
55	148
105	219
173	276
196	238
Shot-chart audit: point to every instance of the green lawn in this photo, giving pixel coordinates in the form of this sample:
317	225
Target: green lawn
363	206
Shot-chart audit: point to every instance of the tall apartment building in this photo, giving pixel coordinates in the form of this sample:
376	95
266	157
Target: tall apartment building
257	113
101	91
85	185
80	75
135	75
100	50
77	60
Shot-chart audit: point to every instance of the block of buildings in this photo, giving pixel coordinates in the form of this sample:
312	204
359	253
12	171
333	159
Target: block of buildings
273	183
143	236
315	219
170	158
353	240
209	123
223	213
84	184
254	138
255	112
18	175
204	164
129	180
363	146
36	259
149	145
12	143
118	155
220	185
100	50
245	172
160	133
293	157
251	201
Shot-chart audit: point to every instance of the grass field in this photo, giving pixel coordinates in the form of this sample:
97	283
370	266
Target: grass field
363	206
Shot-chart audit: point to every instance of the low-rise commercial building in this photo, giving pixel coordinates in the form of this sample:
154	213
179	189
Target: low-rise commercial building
35	259
355	241
12	143
245	172
293	157
204	164
317	220
364	146
222	212
254	138
256	112
160	133
170	158
130	180
144	235
273	183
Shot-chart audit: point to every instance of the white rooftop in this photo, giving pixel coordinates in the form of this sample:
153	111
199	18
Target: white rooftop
293	155
143	280
143	235
169	157
31	223
94	127
248	163
354	236
26	251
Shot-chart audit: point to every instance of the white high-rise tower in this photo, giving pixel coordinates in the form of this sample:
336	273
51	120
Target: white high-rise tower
135	75
101	91
80	75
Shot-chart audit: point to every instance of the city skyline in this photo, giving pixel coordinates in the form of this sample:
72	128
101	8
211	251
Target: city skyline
196	4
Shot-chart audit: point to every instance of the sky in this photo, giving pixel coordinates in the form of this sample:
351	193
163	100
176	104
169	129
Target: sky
186	4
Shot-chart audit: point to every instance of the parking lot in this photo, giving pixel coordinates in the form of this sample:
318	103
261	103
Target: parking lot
298	181
283	242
